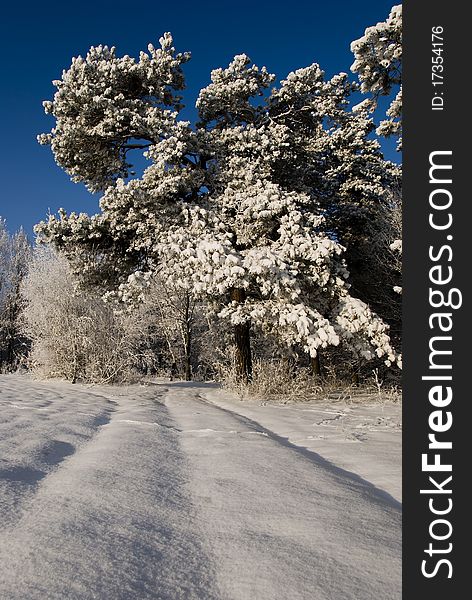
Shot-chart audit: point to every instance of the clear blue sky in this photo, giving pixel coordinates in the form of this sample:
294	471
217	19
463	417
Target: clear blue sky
38	40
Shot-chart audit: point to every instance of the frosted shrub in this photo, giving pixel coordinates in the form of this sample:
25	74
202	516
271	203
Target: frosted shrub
74	334
273	379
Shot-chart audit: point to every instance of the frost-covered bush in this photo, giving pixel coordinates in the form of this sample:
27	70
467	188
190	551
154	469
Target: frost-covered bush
272	379
74	334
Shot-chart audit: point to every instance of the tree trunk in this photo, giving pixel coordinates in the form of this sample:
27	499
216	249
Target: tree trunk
187	341
354	378
242	342
316	366
188	367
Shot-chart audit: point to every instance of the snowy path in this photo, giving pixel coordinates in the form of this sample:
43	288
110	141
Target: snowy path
141	493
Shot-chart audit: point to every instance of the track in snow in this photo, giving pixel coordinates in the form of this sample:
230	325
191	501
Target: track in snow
154	493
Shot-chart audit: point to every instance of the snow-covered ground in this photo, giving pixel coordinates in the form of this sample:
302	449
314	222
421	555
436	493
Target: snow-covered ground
362	435
177	490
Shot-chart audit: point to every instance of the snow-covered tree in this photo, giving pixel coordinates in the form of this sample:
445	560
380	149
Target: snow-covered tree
378	63
14	257
246	210
379	278
166	306
75	334
103	103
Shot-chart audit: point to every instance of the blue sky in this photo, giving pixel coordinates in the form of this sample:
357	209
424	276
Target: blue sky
39	39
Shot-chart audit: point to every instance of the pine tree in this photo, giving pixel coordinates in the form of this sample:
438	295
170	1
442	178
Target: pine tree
378	63
248	209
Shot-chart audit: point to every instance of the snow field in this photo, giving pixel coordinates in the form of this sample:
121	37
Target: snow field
154	492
